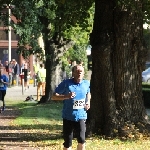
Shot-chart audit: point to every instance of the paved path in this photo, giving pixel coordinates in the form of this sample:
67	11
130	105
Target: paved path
9	137
16	93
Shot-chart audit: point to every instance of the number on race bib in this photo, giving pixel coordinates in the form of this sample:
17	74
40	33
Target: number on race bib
79	104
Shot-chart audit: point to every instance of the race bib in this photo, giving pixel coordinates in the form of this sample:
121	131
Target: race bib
79	104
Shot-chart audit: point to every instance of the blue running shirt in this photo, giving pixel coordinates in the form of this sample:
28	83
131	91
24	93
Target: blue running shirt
73	109
2	85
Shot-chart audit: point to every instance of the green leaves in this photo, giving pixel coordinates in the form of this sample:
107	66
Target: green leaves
34	17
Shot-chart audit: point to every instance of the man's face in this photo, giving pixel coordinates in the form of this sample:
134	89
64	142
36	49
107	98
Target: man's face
78	72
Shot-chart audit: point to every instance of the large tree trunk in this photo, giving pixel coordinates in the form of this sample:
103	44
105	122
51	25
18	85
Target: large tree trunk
117	60
53	69
54	50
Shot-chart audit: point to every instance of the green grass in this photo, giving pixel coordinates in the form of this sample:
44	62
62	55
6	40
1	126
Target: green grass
42	124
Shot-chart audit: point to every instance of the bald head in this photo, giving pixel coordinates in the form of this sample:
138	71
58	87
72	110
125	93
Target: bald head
77	67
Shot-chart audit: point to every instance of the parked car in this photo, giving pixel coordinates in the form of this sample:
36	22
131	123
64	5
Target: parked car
146	75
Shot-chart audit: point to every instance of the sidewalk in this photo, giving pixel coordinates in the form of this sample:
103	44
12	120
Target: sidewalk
15	93
9	134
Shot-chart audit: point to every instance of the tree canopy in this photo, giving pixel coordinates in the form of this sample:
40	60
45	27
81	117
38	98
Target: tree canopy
59	22
64	17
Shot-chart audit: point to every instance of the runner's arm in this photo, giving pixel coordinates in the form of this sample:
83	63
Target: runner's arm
57	96
88	98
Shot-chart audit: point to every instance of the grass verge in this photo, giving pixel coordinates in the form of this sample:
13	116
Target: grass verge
42	125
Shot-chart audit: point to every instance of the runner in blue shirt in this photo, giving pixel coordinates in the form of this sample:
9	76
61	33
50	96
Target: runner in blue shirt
75	94
4	82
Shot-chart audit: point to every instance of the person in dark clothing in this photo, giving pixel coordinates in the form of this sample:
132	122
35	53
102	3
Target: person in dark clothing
16	72
26	73
6	66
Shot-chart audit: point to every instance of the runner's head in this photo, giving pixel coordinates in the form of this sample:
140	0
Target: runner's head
78	73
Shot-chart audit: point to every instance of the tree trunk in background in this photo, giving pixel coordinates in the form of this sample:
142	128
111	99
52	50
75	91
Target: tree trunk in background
53	67
54	50
53	62
117	60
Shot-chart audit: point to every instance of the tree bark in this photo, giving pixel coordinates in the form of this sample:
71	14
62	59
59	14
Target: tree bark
54	50
117	60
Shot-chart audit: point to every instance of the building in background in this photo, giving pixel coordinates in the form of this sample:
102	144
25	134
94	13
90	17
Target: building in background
4	44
